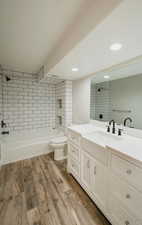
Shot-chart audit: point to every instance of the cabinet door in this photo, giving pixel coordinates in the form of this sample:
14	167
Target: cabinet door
98	184
85	169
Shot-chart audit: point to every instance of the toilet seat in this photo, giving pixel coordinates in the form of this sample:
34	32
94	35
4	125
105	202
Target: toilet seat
59	140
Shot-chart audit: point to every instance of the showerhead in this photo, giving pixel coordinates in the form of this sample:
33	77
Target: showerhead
7	78
100	89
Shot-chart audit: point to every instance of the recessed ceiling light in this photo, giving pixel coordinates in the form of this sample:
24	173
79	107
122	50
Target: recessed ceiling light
106	77
116	47
74	69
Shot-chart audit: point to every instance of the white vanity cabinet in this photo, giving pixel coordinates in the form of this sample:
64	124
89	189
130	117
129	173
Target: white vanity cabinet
74	163
98	183
86	170
112	179
74	138
74	167
130	172
119	214
126	189
93	177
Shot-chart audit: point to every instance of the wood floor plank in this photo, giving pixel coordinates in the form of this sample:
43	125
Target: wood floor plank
58	203
29	187
34	217
14	213
39	191
46	203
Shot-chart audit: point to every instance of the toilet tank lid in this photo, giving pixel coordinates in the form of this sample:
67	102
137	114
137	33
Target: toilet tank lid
59	140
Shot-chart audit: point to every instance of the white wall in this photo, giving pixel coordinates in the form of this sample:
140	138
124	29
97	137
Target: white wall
81	101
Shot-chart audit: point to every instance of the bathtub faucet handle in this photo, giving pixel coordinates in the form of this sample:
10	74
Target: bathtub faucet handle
3	124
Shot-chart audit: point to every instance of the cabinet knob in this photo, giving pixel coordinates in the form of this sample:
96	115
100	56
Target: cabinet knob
127	222
129	171
128	196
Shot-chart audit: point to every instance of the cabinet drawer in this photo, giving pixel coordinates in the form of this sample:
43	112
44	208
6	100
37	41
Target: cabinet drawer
74	166
74	152
128	171
74	138
130	197
96	151
119	214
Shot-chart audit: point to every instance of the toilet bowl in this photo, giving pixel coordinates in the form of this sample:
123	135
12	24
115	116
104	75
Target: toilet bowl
59	146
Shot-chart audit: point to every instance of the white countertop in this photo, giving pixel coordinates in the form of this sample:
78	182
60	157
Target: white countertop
83	128
125	144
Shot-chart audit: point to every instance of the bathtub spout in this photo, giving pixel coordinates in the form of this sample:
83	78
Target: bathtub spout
4	132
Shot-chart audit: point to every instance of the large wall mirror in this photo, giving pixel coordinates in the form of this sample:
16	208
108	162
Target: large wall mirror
117	94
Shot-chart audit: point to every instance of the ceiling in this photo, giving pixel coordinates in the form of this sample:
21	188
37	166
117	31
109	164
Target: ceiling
37	32
30	28
92	54
132	68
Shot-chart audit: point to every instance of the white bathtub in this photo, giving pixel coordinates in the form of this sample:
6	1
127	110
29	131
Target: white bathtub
25	145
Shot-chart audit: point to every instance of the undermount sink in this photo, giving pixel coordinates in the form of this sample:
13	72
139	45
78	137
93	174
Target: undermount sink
107	135
103	136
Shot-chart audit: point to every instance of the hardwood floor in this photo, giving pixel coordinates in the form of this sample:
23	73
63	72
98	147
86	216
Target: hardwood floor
39	191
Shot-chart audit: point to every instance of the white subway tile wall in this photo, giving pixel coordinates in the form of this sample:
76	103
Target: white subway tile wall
29	104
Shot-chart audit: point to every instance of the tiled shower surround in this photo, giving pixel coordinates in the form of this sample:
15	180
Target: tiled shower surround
29	104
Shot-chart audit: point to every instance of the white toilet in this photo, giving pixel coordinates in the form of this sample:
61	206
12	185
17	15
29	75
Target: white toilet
59	146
